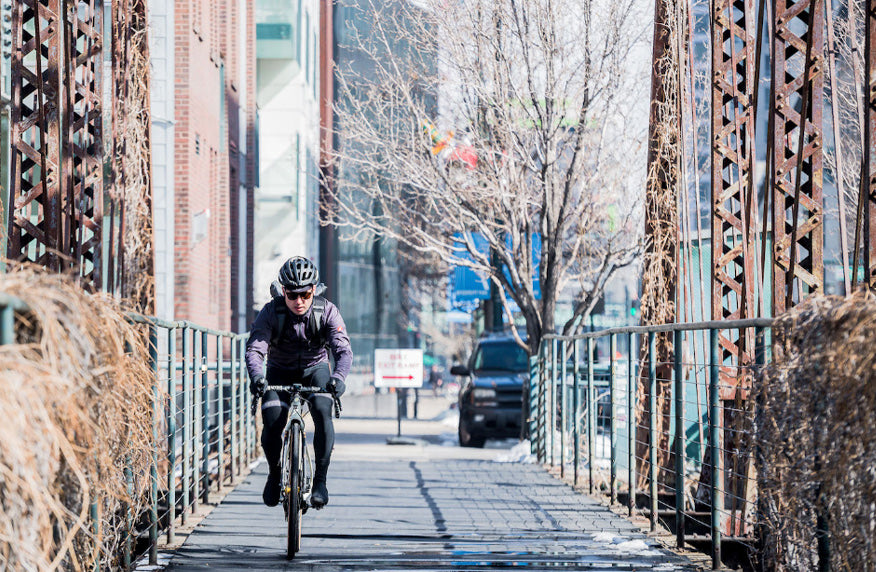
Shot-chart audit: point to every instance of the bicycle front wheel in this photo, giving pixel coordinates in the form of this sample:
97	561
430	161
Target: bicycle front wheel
294	514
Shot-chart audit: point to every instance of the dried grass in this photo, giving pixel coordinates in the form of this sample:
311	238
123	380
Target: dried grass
816	452
75	400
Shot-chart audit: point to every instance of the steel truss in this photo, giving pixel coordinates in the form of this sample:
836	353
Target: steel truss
797	202
734	37
868	183
56	173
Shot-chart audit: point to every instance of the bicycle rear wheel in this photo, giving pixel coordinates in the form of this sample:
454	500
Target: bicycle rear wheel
294	496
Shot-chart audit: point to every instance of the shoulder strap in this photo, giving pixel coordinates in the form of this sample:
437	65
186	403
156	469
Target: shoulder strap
281	313
314	323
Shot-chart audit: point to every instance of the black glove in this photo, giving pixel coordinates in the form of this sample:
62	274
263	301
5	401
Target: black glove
337	386
257	386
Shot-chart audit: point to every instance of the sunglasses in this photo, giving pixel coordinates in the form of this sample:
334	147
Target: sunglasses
303	295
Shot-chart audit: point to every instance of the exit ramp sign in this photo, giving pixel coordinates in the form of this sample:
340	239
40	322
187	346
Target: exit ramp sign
398	368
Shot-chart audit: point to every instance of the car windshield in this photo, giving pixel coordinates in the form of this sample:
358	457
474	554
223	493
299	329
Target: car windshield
501	356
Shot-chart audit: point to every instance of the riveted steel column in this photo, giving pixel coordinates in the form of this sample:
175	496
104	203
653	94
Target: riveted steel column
35	198
869	180
734	38
82	223
171	434
797	205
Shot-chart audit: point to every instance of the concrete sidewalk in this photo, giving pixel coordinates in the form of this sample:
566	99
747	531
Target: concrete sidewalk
423	507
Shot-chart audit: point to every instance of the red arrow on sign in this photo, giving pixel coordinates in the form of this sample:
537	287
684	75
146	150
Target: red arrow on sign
397	377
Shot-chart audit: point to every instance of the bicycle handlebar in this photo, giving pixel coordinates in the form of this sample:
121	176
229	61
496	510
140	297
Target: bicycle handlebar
303	389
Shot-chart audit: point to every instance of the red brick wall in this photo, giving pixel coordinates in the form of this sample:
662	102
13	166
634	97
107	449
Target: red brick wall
207	37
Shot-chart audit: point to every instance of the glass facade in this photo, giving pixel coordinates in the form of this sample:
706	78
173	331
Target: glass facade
369	290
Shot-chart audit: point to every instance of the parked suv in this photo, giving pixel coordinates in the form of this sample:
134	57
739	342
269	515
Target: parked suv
491	398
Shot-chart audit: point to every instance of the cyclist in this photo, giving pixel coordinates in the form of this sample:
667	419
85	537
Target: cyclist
296	331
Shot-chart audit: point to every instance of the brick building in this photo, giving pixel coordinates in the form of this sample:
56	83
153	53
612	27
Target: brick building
205	159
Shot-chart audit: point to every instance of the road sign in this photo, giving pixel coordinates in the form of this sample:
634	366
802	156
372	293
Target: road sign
398	368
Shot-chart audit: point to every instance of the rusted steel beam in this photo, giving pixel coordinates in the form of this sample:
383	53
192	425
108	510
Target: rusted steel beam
734	37
56	167
797	206
35	180
84	210
869	179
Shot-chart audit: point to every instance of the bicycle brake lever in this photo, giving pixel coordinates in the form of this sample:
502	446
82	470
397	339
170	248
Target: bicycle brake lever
337	406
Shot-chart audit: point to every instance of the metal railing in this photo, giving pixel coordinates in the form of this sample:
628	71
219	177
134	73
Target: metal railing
203	420
203	425
692	438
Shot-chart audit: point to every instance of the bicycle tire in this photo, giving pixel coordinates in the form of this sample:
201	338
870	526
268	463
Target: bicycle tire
293	519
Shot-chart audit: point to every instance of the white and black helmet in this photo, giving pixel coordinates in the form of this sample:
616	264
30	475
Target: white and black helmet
298	272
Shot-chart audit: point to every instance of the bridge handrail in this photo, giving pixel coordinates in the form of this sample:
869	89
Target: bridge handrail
666	328
179	324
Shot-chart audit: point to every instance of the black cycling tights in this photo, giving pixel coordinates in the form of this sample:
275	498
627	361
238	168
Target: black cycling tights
275	407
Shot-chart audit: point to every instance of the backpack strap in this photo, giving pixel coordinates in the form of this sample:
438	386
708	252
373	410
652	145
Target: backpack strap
282	314
314	323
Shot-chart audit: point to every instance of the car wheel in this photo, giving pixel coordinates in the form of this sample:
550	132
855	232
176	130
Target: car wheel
466	439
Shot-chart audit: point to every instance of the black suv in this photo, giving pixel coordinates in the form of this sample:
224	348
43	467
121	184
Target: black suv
491	399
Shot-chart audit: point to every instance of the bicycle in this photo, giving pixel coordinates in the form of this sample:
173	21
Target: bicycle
296	465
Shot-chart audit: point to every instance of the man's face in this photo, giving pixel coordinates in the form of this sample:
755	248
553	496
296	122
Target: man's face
299	301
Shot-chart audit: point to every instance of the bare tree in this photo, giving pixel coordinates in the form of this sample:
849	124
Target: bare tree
502	135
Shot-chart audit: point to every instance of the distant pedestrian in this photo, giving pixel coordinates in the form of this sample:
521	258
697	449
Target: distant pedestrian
435	379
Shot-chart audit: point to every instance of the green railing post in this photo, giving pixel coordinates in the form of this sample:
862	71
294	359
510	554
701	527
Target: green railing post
7	325
197	422
542	403
562	400
591	414
171	433
612	344
153	512
129	517
576	410
220	414
717	487
94	513
205	421
187	384
532	406
652	419
679	440
552	402
631	424
232	411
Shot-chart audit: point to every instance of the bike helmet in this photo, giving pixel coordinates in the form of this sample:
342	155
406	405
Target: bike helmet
297	273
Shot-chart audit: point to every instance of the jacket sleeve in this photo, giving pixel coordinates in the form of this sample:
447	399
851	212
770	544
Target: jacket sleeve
338	341
259	340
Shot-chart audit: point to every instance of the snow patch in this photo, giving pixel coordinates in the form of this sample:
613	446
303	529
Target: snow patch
606	537
519	453
637	547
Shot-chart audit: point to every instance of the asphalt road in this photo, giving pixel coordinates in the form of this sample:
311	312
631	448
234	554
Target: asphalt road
428	506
